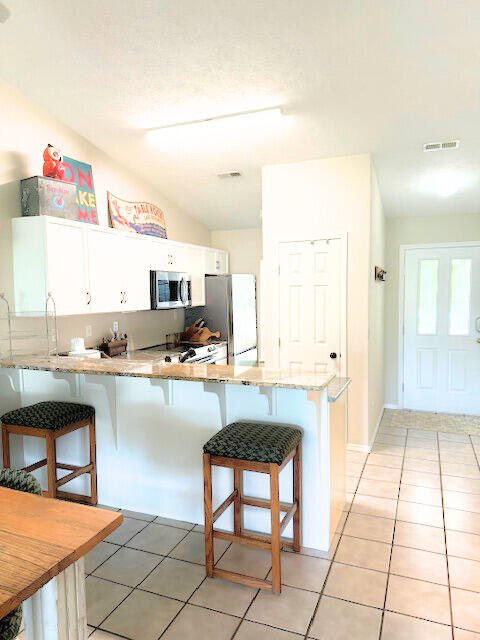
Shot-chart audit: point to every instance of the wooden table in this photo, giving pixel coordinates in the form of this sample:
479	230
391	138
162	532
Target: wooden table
42	544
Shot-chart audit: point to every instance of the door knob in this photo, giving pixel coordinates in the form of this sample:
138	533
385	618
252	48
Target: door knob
333	355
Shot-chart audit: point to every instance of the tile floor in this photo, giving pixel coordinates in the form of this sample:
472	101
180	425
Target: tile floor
405	562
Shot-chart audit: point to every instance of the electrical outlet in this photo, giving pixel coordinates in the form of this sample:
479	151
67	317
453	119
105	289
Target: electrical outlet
88	331
115	327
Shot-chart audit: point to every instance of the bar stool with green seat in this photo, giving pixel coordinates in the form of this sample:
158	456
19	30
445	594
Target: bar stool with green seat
264	448
51	420
21	481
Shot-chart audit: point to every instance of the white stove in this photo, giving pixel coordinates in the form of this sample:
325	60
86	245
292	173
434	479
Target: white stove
207	354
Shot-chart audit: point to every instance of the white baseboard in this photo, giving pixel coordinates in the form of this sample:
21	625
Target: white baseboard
377	426
363	448
390	406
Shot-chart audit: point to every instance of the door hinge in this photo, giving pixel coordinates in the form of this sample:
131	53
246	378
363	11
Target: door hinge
279	343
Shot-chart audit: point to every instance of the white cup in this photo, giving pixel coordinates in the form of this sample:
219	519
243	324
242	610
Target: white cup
77	344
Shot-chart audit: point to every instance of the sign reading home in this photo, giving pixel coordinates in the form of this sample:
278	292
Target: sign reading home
81	175
139	217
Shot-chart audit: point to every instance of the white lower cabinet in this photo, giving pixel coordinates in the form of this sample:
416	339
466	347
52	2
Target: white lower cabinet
90	269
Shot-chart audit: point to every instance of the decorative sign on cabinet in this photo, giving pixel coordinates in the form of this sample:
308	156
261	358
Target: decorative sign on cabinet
97	269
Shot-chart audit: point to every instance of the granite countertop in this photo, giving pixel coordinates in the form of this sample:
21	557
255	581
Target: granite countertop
156	368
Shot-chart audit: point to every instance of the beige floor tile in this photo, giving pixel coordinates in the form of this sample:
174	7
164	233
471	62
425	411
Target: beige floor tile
356	456
416	443
419	536
399	627
99	554
374	472
339	620
174	579
453	437
456	458
291	611
324	555
422	433
418	599
138	516
417	453
396	431
463	545
223	596
249	561
157	538
378	488
425	466
179	524
341	522
354	469
369	527
142	616
128	528
356	584
373	506
422	565
99	634
461	470
363	553
102	598
255	631
464	574
465	608
420	479
388	449
422	495
420	513
303	571
385	460
465	485
351	484
387	438
128	567
462	501
192	548
195	623
462	521
462	634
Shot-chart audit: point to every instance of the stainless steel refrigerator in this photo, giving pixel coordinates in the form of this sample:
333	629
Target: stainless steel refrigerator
231	308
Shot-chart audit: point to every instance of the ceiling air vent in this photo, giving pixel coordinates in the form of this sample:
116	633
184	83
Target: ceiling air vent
441	146
229	174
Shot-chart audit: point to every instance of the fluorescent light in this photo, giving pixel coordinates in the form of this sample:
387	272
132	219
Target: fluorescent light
269	113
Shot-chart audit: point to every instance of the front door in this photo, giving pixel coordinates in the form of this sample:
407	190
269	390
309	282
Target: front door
310	306
442	329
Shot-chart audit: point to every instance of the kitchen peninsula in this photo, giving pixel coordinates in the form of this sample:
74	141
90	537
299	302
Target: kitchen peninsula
153	419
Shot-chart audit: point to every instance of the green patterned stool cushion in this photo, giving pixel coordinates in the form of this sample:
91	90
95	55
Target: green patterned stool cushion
22	481
10	624
49	415
255	441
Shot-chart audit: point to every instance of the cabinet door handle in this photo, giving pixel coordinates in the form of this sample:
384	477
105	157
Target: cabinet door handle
125	296
122	299
89	297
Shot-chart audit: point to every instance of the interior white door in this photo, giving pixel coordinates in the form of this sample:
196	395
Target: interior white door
441	329
310	306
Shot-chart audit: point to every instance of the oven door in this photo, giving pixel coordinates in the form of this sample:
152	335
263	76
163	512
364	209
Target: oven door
170	290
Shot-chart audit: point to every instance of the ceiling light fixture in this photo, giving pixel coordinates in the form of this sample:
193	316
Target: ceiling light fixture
270	113
445	182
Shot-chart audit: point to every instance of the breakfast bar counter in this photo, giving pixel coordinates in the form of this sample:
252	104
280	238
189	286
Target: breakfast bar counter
152	419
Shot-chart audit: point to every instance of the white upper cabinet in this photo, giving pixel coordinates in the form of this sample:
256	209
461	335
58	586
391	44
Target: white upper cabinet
216	262
91	269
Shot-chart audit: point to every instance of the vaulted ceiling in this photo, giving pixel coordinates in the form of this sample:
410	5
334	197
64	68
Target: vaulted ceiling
372	76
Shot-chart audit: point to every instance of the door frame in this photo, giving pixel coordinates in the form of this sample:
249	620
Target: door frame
343	237
401	303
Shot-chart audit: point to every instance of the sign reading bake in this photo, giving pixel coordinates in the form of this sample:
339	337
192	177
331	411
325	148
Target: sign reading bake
81	174
139	217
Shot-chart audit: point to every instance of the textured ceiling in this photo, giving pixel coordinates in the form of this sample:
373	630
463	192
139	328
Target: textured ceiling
378	76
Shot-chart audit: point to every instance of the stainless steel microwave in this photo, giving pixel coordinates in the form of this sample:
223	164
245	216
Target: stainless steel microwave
170	290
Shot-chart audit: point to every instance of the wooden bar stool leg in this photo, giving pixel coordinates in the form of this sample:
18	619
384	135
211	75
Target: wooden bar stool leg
207	499
93	461
6	447
51	465
297	497
237	507
275	538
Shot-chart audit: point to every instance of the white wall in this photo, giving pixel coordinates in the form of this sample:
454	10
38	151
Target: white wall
414	230
376	312
308	200
25	130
